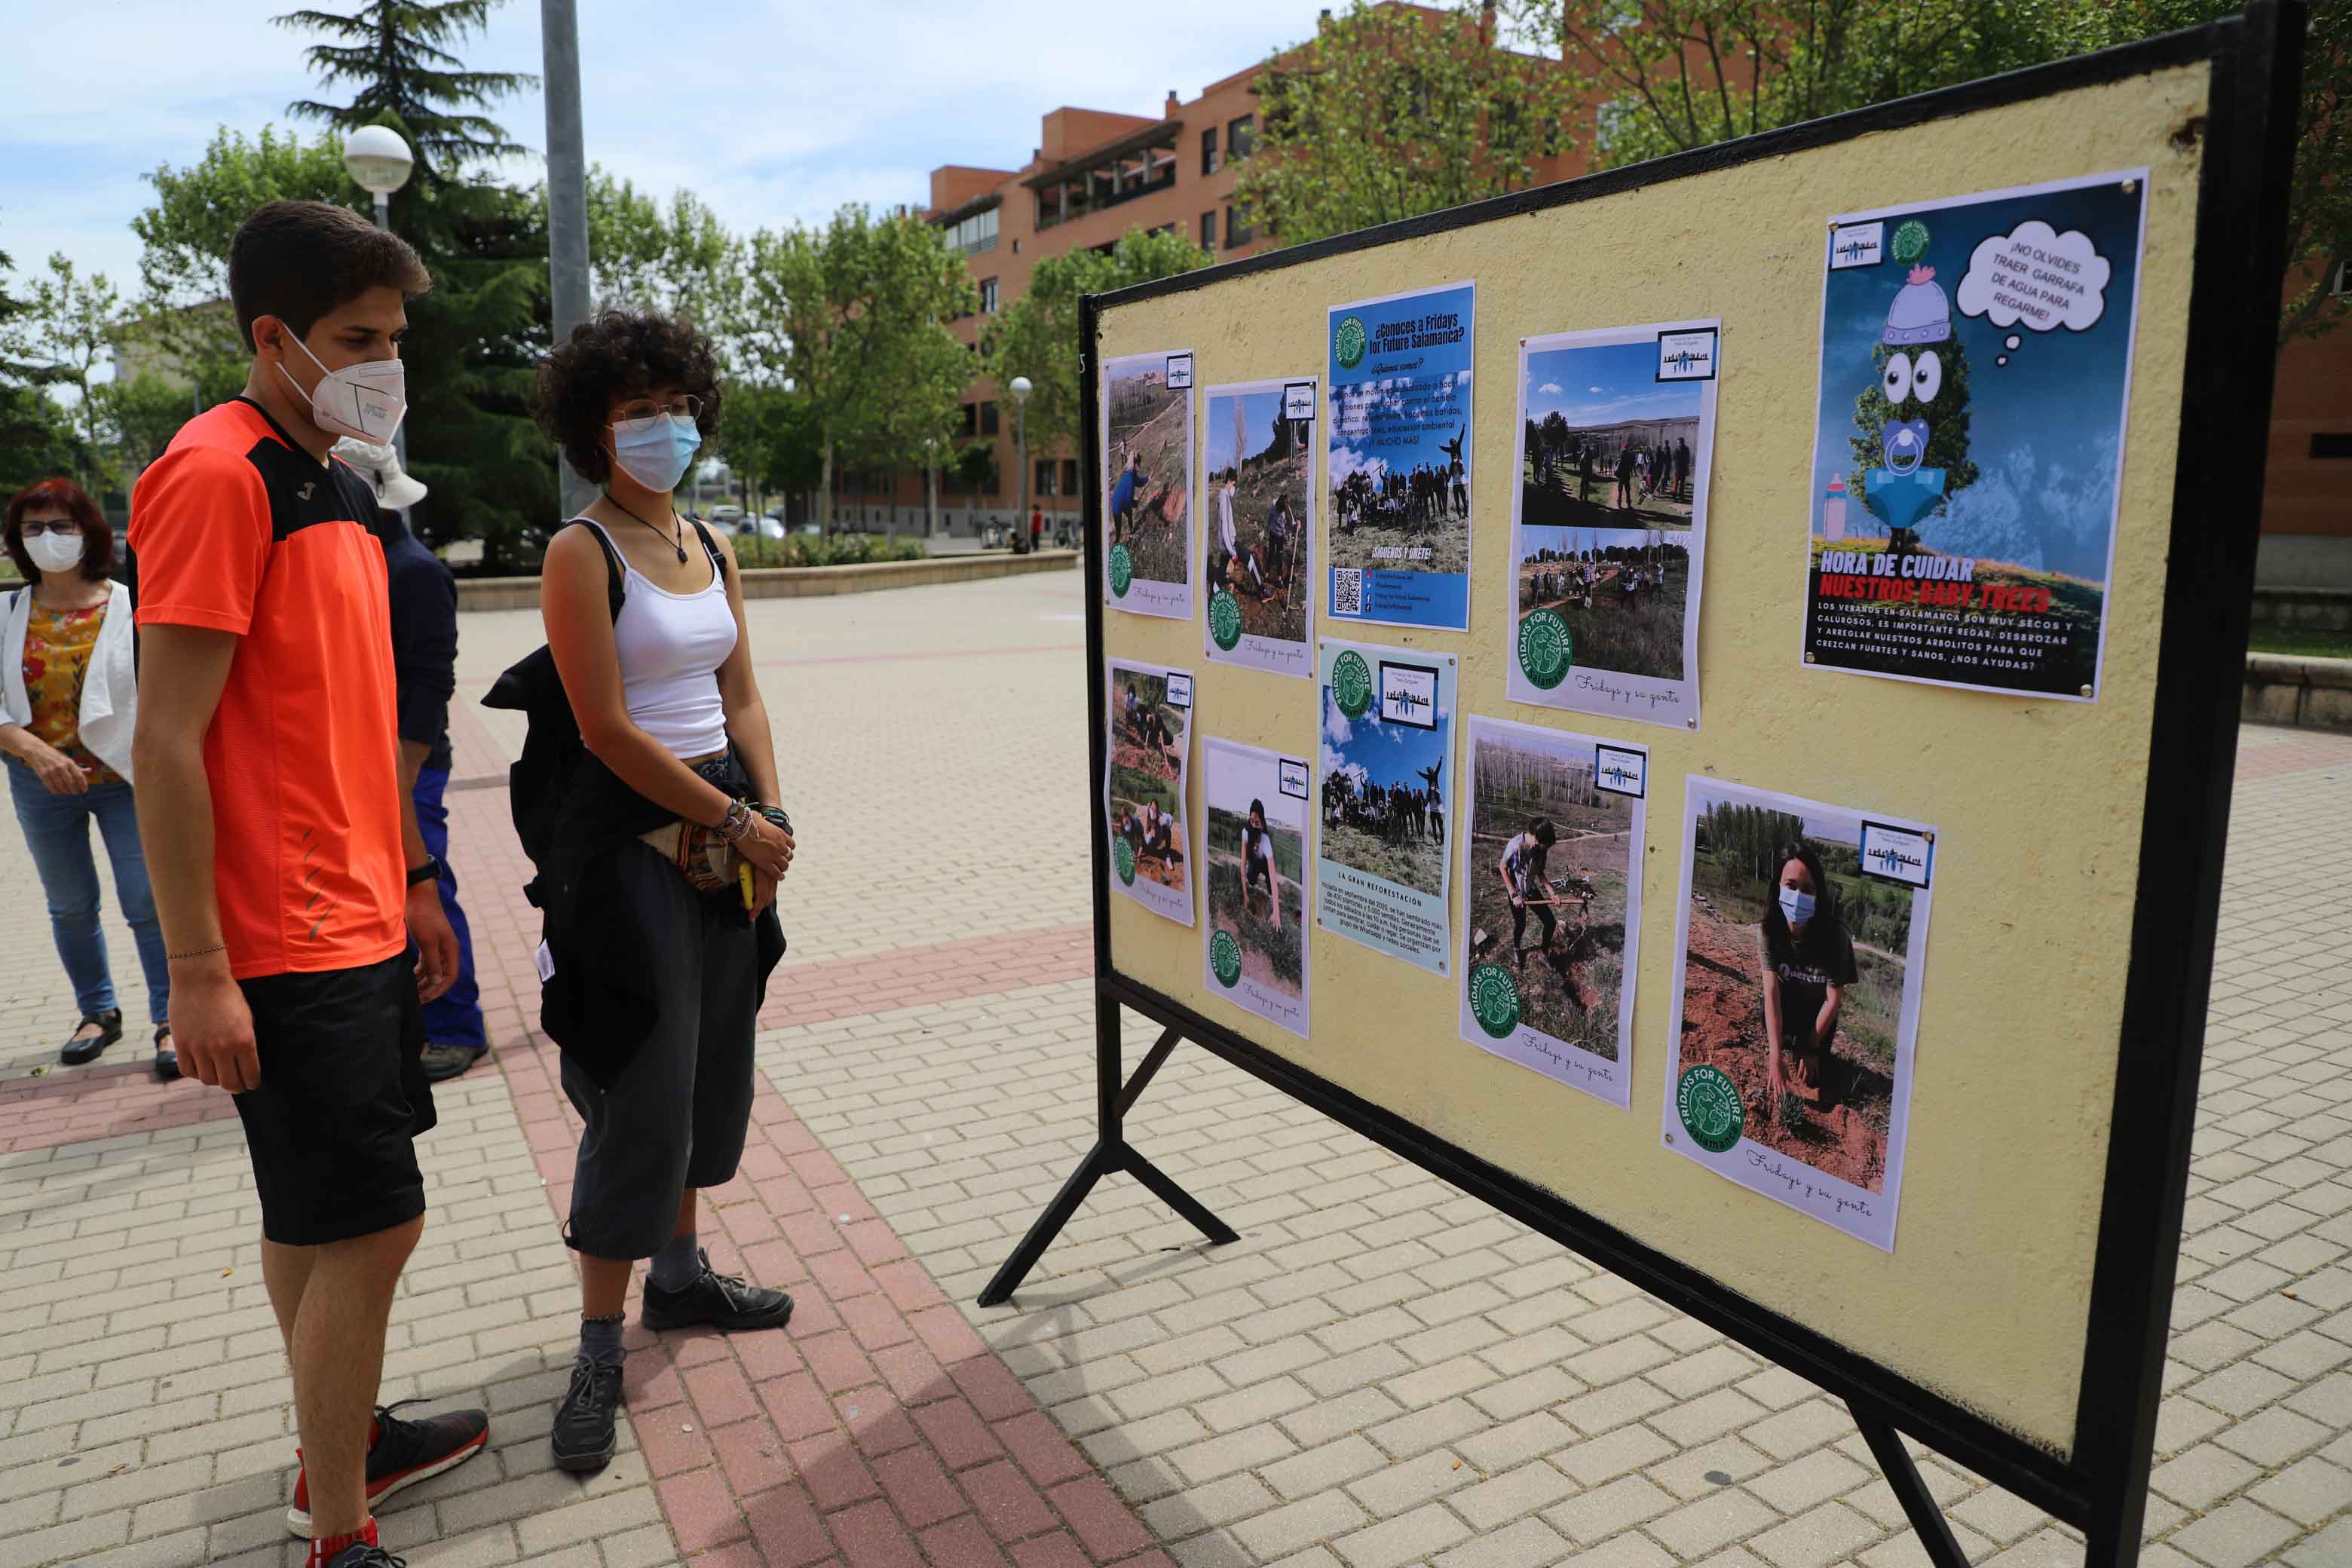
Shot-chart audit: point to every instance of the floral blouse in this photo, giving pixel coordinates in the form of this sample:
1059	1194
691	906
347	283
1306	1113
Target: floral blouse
58	645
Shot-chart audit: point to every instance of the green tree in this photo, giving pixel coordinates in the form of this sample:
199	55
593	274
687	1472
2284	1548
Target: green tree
1676	74
1393	110
397	55
853	315
1947	424
770	438
677	259
69	331
1037	334
36	439
142	415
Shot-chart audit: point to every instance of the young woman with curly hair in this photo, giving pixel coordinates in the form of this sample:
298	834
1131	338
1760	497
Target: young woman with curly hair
675	730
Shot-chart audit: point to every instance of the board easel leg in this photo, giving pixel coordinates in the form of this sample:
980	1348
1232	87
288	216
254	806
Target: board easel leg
1111	1153
1918	1504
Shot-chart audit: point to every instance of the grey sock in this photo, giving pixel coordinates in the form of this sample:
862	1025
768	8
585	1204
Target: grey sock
679	1264
600	1340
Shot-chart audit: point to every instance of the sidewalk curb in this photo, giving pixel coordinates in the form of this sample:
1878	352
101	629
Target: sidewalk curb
803	582
2284	689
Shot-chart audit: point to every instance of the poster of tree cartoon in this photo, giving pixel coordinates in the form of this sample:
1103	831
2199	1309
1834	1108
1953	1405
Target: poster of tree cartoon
1968	447
1146	447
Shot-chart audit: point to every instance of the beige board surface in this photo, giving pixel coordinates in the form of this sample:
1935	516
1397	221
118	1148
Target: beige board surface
2037	804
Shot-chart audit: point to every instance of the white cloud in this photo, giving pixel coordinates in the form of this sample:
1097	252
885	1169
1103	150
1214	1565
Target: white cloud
1593	389
1336	729
1549	388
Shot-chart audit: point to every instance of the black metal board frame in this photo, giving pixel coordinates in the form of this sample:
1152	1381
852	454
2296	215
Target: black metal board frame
2101	1486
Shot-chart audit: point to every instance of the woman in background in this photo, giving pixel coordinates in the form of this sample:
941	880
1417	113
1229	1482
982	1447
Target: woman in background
68	695
1806	961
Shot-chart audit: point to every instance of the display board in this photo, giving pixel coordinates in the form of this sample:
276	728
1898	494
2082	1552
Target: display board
2034	1059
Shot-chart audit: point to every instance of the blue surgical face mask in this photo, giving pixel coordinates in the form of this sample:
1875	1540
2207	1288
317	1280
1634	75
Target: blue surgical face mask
655	450
1798	906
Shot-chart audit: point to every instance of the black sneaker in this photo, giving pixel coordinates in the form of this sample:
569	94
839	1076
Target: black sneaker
84	1047
716	1301
401	1454
365	1554
582	1434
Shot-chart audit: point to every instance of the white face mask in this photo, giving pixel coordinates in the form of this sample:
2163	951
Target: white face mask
55	552
363	401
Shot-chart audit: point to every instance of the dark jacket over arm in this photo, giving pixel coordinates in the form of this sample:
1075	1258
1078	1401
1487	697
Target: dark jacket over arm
424	640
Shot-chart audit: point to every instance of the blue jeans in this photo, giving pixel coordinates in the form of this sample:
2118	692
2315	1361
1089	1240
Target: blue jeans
455	1017
56	830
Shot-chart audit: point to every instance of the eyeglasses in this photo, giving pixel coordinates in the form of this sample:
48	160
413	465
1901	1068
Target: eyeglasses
683	407
36	526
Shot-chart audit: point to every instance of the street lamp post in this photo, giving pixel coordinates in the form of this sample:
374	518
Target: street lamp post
379	163
1021	390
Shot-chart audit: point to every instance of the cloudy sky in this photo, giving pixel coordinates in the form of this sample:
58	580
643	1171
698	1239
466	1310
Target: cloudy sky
771	111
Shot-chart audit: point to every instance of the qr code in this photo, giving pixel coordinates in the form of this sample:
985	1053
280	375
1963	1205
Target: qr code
1347	591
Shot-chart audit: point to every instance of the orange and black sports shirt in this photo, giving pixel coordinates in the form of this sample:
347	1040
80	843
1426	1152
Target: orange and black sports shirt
238	529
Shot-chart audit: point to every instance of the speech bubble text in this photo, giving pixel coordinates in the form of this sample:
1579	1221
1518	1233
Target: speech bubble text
2038	277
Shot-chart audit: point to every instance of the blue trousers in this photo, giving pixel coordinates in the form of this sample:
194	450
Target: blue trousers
455	1017
56	830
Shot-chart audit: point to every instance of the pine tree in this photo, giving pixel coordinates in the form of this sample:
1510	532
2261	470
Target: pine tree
36	438
397	53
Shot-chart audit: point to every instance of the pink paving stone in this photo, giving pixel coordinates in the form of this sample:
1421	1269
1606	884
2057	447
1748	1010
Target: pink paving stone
752	1457
812	1232
697	1347
787	1528
700	1509
649	1383
875	1242
1042	1450
775	1263
961	1543
841	1275
1106	1526
1055	1551
747	1224
1008	1504
818	1169
761	1160
740	1555
830	1469
669	1450
837	1362
944	1329
720	1392
797	1405
991	1386
917	1487
813	1314
843	1197
872	1537
769	1355
908	1284
782	1195
912	1375
958	1434
877	1423
876	1321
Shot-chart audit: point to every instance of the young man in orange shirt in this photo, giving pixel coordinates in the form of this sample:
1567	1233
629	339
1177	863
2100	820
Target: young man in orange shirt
288	872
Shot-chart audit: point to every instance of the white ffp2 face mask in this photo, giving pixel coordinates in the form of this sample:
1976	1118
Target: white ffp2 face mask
364	401
55	552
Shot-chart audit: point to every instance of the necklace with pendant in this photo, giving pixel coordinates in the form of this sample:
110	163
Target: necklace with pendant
675	542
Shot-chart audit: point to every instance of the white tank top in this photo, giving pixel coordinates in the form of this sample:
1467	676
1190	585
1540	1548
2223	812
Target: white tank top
671	646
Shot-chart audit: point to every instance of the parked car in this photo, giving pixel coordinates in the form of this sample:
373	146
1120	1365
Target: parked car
772	525
729	518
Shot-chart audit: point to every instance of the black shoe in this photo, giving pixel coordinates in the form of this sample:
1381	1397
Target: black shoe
443	1063
718	1302
362	1554
582	1434
401	1454
167	1056
80	1049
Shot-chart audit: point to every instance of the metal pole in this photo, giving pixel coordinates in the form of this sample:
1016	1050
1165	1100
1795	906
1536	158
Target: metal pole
1020	436
567	193
399	437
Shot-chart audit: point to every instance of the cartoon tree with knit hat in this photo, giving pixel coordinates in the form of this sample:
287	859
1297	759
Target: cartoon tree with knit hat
1918	324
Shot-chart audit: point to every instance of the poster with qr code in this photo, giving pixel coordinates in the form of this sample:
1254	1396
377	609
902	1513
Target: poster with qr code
1397	465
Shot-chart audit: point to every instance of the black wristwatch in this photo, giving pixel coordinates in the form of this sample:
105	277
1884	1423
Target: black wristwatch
429	872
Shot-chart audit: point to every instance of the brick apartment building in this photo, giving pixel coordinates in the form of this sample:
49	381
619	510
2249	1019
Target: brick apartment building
1093	174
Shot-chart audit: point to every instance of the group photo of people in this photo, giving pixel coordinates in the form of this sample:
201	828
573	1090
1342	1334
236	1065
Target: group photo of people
1260	473
1625	593
1148	465
1149	741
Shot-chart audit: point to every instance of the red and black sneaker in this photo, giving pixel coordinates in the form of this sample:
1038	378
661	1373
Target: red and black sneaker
401	1453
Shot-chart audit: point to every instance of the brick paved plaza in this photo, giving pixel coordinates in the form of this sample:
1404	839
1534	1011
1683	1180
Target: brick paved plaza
1380	1372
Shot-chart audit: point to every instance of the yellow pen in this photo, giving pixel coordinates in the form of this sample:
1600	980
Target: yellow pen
743	880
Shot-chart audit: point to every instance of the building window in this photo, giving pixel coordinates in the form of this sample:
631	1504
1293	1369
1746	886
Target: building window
1209	231
1166	229
2341	284
1209	161
1237	225
988	295
988	417
973	235
2331	444
1239	135
1069	476
972	419
1044	477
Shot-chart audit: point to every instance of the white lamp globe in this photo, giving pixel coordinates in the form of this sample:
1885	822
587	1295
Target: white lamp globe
378	160
1020	388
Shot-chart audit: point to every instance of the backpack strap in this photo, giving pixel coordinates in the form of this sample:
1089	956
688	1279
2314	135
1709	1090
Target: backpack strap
616	590
710	548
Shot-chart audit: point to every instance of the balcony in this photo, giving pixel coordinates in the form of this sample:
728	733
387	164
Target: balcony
1133	166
